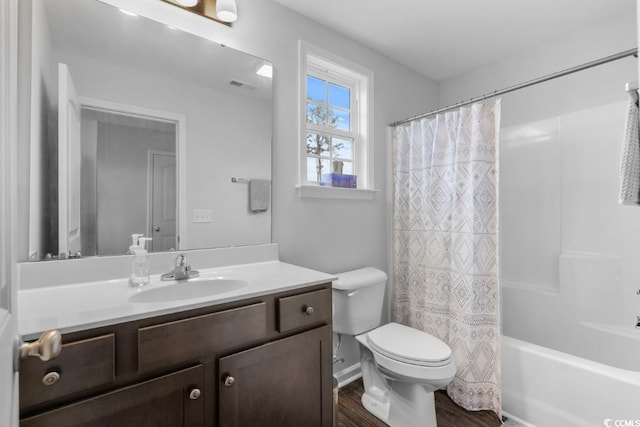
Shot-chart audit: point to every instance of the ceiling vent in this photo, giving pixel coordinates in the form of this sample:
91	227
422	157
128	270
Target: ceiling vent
239	83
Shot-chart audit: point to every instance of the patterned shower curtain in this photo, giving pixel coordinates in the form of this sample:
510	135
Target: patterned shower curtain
445	236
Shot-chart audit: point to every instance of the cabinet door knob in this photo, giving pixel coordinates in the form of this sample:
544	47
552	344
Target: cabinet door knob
47	347
308	310
194	394
50	378
229	381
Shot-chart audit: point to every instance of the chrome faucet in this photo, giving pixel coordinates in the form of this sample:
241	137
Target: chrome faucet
182	270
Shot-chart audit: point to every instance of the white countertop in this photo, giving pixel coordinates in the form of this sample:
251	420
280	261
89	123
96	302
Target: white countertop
81	306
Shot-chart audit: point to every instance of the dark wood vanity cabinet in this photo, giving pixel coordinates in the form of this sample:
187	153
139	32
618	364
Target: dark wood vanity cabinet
169	400
259	362
293	393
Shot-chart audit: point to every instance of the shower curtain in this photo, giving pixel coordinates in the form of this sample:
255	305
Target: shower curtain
445	238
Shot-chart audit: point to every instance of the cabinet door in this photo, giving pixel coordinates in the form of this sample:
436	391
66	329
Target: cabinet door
279	384
168	401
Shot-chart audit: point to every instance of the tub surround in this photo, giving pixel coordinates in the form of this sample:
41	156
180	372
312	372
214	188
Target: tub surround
570	252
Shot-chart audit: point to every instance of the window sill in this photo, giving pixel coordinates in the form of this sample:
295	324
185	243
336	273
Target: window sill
322	192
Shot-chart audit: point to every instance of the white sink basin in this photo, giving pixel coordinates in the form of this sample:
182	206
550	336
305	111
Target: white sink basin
188	289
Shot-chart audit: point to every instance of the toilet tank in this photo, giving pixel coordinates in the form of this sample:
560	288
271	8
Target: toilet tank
357	300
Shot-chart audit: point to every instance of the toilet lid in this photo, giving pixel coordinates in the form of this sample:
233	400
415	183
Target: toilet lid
409	345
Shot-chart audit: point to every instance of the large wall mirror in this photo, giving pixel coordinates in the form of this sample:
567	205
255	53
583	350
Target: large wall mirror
138	128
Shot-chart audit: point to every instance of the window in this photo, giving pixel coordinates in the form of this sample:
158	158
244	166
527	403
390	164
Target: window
330	126
334	118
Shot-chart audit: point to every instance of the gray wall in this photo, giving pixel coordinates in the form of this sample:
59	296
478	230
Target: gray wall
327	235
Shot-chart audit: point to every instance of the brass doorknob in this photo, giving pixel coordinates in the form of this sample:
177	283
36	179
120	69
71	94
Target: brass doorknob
47	347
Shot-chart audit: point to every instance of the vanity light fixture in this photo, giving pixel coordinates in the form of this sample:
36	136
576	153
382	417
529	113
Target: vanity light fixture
222	11
226	10
265	71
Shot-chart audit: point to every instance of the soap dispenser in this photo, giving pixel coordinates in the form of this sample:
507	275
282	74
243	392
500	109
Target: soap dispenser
134	243
139	275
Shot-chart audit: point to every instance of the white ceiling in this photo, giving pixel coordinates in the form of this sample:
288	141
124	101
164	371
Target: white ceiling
446	38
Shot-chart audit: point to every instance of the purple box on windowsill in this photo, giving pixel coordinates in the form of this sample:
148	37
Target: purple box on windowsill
339	180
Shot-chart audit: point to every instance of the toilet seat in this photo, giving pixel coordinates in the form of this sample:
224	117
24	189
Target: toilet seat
408	345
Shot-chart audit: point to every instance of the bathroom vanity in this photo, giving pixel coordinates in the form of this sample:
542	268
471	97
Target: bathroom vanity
256	350
259	355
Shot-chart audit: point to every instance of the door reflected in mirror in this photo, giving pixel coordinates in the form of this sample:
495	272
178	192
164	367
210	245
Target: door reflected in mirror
137	128
129	168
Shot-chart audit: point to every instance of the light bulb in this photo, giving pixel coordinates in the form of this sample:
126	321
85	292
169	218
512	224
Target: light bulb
226	10
187	3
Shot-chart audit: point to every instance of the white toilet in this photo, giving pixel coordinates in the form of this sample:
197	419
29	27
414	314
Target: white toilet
401	366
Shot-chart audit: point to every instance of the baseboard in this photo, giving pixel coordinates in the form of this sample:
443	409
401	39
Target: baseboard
348	375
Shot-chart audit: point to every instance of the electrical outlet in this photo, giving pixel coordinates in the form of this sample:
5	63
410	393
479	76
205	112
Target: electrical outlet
202	215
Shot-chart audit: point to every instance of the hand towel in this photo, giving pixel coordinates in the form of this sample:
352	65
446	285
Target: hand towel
259	195
630	156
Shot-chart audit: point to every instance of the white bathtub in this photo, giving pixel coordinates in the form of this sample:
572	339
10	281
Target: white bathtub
548	388
569	269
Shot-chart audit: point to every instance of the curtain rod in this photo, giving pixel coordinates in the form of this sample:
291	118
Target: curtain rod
542	79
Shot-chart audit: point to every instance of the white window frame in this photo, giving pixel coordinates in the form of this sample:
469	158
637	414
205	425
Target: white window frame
328	66
332	77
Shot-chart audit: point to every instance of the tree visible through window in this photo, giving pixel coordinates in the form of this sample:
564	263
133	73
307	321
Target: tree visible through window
331	127
336	132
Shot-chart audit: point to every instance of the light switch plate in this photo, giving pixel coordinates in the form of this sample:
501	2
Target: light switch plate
202	215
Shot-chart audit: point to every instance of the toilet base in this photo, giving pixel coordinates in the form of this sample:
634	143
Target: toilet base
397	411
376	407
396	402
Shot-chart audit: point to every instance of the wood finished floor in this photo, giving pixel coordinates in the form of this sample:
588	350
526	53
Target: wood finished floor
351	413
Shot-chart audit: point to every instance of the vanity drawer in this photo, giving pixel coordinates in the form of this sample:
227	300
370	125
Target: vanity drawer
163	401
304	309
81	365
186	340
